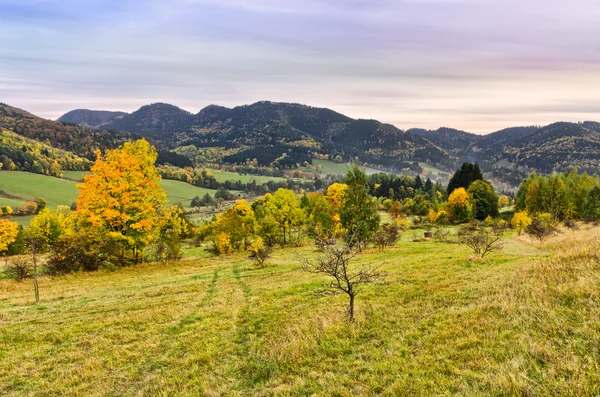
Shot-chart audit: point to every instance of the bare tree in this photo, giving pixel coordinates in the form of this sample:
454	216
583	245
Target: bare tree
481	240
336	263
36	245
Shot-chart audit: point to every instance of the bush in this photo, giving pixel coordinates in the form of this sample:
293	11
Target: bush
482	240
259	252
86	251
540	229
386	236
19	269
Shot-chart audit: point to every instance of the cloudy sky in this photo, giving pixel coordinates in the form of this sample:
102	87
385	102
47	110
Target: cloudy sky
478	65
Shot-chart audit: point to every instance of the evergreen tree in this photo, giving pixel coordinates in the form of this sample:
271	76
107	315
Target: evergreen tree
467	174
484	199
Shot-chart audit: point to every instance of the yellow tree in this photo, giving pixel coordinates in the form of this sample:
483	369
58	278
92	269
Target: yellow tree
8	233
503	201
520	221
122	196
459	206
335	194
285	210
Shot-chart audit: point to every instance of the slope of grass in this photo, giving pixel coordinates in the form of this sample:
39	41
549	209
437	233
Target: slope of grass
522	323
57	191
182	193
222	176
332	168
14	204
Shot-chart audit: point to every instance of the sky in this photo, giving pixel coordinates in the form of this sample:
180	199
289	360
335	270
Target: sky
476	65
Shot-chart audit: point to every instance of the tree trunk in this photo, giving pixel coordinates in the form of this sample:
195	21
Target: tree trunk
36	287
351	309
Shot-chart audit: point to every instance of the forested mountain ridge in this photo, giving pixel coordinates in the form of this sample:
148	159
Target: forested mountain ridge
82	141
91	118
557	147
280	129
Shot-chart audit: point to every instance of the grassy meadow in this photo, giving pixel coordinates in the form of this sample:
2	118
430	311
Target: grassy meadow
523	323
57	191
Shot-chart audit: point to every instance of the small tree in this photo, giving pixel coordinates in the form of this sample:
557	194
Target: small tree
336	262
540	229
386	236
259	252
520	221
19	269
482	240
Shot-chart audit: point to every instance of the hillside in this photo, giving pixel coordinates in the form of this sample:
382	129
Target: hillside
24	154
522	323
82	141
557	147
90	118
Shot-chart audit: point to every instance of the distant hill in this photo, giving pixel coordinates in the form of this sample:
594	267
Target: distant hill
456	142
82	141
91	118
268	130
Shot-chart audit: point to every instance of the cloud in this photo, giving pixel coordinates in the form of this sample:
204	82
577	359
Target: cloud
475	65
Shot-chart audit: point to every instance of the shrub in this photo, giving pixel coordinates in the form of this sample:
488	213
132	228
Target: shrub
259	252
386	236
86	251
540	229
482	240
19	269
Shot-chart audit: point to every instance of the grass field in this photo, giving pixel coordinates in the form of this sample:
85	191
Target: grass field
58	191
11	202
524	322
55	191
222	176
332	168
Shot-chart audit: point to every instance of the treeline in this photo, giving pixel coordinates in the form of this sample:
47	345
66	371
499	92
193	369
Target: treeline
204	178
567	196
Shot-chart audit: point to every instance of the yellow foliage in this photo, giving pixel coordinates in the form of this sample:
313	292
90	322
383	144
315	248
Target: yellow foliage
223	244
8	233
335	193
503	201
520	221
123	193
257	245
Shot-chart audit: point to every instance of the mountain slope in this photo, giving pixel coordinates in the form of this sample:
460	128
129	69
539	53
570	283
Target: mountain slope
91	118
82	141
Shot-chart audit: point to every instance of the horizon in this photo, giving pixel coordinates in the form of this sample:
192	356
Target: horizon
473	66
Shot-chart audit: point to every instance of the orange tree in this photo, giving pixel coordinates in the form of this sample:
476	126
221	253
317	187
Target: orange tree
459	206
122	196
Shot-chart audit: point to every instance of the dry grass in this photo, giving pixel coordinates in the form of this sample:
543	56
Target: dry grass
524	322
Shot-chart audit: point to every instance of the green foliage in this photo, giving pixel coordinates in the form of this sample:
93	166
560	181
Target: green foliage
484	199
358	212
591	207
467	174
563	196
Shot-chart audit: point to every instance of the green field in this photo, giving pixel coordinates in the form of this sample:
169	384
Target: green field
55	191
332	168
222	176
431	169
76	176
58	191
522	323
11	202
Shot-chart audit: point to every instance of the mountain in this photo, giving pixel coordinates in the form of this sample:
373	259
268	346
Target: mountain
91	118
269	131
82	141
454	141
158	120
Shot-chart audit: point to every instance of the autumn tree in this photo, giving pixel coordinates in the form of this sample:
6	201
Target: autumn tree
172	228
484	199
122	195
503	201
358	211
50	225
8	233
520	221
284	208
320	216
459	206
